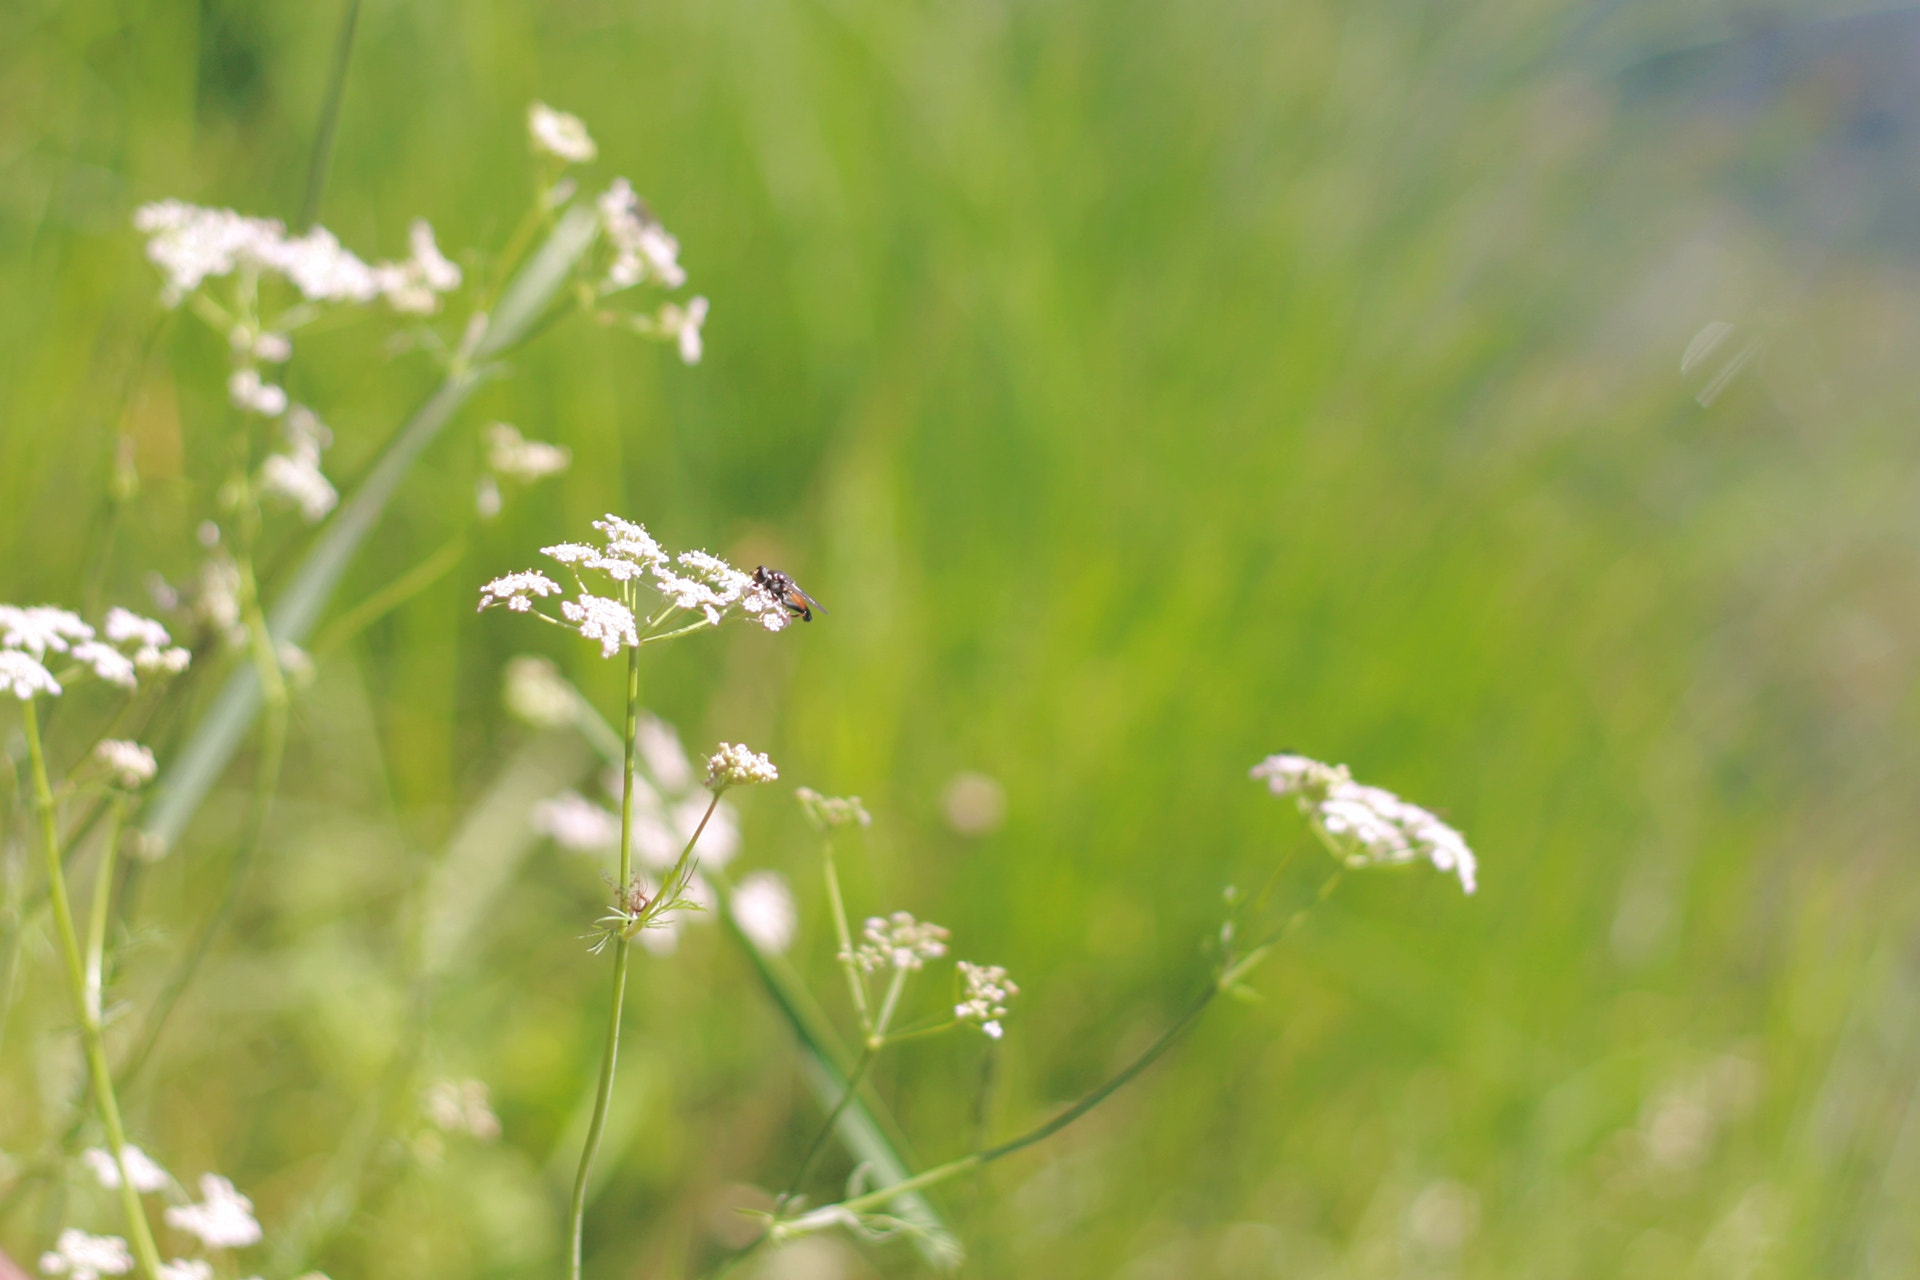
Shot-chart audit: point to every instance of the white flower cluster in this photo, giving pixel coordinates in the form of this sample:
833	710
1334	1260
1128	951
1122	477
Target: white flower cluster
191	244
461	1106
898	942
133	646
513	457
701	584
763	908
833	811
295	476
735	764
223	1219
1367	826
642	248
80	1256
574	822
128	765
141	1170
560	135
984	1001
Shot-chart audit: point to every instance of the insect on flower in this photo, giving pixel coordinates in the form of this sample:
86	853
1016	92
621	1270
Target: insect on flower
788	592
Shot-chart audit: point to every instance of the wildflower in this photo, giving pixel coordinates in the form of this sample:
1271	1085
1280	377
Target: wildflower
630	541
560	135
763	908
537	695
987	991
833	811
572	821
40	628
106	662
141	1170
298	479
899	942
269	348
217	600
682	324
22	676
412	287
642	248
666	760
248	392
321	269
224	1218
129	766
83	1257
735	765
123	626
461	1106
186	1269
516	590
486	498
598	618
1366	826
524	460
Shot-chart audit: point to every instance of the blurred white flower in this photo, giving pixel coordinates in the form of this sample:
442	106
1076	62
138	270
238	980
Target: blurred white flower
984	1002
559	134
186	1269
899	942
106	662
223	1219
40	628
537	694
833	811
574	822
737	765
126	627
22	676
486	498
665	759
270	348
141	1170
413	287
80	1256
461	1106
683	325
296	478
974	804
642	248
511	455
248	392
130	766
1368	826
763	908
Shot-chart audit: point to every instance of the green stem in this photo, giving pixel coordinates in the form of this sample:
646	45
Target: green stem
881	1023
97	913
867	1055
322	156
137	1226
856	985
577	1209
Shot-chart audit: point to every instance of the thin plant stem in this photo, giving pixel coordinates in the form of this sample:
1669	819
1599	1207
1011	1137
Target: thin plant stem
867	1055
856	985
84	1002
577	1209
97	912
878	1035
322	157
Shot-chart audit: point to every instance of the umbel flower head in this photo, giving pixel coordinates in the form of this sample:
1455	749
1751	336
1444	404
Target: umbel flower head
223	1219
984	1000
80	1256
899	941
29	637
828	812
1366	826
736	764
683	593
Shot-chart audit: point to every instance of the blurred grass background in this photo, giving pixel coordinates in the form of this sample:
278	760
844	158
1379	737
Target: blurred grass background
1145	389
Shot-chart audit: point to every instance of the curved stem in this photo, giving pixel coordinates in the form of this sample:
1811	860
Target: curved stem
84	1007
867	1054
577	1208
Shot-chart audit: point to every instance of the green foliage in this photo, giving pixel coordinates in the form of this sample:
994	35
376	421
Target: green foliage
1144	389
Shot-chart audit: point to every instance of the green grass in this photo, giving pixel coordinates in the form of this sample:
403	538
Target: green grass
1144	389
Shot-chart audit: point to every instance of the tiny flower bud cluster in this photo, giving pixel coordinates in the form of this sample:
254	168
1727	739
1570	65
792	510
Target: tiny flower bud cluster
133	646
222	1219
735	764
560	135
513	457
295	476
129	766
145	1175
833	811
461	1106
1367	826
80	1256
899	942
985	999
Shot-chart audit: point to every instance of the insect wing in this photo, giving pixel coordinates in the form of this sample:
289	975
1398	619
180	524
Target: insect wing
798	597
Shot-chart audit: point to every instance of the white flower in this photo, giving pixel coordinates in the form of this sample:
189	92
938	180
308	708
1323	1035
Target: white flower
486	498
559	134
763	908
272	348
629	541
107	662
189	243
130	766
598	618
141	1170
80	1256
899	942
296	478
1367	826
218	599
321	269
516	590
521	459
985	1000
461	1106
537	694
255	396
22	676
40	628
572	821
224	1218
186	1269
682	324
737	765
660	747
413	287
642	248
833	811
126	627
